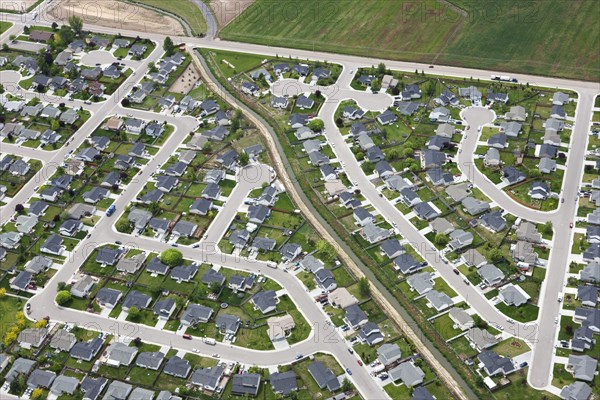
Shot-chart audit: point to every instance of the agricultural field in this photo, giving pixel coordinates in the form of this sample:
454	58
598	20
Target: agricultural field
185	9
513	38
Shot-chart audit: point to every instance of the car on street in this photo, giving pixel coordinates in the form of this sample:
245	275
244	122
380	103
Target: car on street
174	245
350	351
118	242
360	363
187	336
195	246
348	371
457	272
299	356
571	225
556	320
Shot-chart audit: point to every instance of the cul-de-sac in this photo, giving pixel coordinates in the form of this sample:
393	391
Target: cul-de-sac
307	200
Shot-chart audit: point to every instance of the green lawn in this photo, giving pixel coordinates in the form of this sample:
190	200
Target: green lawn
525	313
432	31
4	26
511	347
185	9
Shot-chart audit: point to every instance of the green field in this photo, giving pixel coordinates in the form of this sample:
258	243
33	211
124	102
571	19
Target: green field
4	26
185	9
554	37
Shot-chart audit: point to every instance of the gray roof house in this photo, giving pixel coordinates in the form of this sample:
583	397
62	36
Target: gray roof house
62	340
117	391
494	364
195	313
164	308
408	373
53	245
481	338
64	385
421	282
490	274
212	276
388	353
265	301
392	248
587	295
108	297
323	376
40	378
355	316
177	367
208	378
92	387
184	273
493	220
136	299
576	391
407	264
438	300
120	354
19	366
582	367
228	324
245	384
150	360
513	295
86	350
474	206
283	383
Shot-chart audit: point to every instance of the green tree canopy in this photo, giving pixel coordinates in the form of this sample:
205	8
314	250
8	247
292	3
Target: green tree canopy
171	257
63	297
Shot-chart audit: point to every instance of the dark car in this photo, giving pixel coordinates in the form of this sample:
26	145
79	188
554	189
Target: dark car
457	272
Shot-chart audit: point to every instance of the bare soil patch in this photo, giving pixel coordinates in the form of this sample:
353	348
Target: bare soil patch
226	11
115	14
187	80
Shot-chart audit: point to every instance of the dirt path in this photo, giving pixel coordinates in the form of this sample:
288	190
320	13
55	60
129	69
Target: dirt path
282	173
115	14
187	81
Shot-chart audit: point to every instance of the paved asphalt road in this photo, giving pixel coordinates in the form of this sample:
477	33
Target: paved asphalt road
539	373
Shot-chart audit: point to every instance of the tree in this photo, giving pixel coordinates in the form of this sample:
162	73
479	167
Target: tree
2	293
339	122
76	24
430	88
168	46
61	286
346	385
171	257
364	287
375	86
244	158
19	208
41	323
54	26
440	239
37	393
215	287
133	313
54	124
381	68
496	255
548	228
316	125
1	88
63	297
122	225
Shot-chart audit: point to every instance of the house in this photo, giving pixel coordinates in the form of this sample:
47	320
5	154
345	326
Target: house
388	354
257	214
497	141
40	36
107	256
370	334
352	113
86	351
10	240
590	272
25	224
355	317
21	281
497	97
511	129
281	68
438	177
211	277
70	227
134	125
118	390
481	339
409	197
32	337
53	245
150	360
88	154
137	50
493	221
441	225
138	150
108	298
511	175
82	287
459	239
547	165
547	150
539	190
348	200
201	206
425	211
366	80
513	295
576	391
592	234
92	387
69	116
119	354
363	217
265	301
41	379
228	324
438	142
446	98
250	88
558	112
341	298
166	183
445	130
374	154
19	366
408	373
490	274
196	313
470	93
164	308
384	169
462	320
184	273
136	299
325	279
212	191
245	384
373	233
387	117
311	263
582	367
587	295
524	252
177	169
438	300
396	183
228	159
528	232
494	364
38	264
296	121
458	192
589	318
178	367
64	385
279	102
268	197
139	218
184	229
214	176
392	248
154	130
284	383
19	168
239	238
323	376
364	141
290	251
208	378
516	113
432	159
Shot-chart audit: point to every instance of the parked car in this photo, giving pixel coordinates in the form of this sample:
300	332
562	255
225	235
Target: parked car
187	336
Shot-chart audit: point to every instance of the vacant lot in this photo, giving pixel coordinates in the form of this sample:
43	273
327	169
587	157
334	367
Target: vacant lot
185	9
226	11
553	37
115	14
